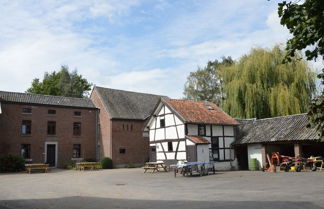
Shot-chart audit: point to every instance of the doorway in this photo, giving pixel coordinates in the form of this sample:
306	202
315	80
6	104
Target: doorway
51	153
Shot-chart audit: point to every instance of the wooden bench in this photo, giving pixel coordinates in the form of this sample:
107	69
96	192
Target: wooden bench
36	166
92	165
154	166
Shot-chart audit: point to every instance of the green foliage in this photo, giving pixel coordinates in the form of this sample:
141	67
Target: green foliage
205	83
11	163
316	111
129	165
260	85
62	83
106	163
90	160
305	21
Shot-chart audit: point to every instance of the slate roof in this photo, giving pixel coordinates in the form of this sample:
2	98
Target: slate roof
38	99
126	104
198	112
277	129
198	140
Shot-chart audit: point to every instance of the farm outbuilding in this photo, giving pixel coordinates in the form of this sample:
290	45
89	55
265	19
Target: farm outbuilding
287	135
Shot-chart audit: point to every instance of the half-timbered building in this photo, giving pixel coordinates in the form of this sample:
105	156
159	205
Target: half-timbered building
181	130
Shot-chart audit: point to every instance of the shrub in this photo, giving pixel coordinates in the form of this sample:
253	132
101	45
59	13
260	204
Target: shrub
11	163
90	160
129	165
106	163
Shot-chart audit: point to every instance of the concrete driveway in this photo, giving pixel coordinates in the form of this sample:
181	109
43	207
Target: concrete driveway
131	188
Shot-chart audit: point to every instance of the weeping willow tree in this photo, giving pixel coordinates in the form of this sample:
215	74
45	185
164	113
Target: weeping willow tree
260	85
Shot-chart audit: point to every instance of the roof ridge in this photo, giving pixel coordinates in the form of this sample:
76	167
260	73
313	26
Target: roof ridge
284	116
45	95
128	91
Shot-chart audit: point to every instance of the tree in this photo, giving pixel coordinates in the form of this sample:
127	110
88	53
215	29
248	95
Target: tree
62	83
260	85
305	22
205	83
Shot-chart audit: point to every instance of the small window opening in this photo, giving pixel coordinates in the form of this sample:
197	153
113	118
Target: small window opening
51	112
162	123
122	150
170	147
209	107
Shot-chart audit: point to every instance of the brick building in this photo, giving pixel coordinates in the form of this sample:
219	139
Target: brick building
122	117
51	129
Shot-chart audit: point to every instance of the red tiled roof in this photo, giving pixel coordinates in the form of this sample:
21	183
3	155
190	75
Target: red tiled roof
198	140
198	112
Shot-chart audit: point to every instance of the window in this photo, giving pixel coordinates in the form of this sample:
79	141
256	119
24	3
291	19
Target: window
221	150
26	127
25	151
51	112
170	147
77	113
77	129
209	107
122	150
162	122
26	110
214	148
131	127
201	130
51	127
76	150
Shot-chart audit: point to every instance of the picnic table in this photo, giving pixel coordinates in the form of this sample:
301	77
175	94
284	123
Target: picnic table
36	166
190	168
82	165
155	166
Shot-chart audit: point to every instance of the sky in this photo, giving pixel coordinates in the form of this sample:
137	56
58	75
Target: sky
146	46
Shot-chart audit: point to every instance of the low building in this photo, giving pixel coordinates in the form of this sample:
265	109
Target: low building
181	130
51	129
287	135
122	117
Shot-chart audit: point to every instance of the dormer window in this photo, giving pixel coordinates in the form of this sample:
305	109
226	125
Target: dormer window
209	107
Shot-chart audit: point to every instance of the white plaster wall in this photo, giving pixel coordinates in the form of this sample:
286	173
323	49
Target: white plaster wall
160	156
161	111
169	120
178	121
171	133
202	153
152	125
181	131
152	134
170	155
181	156
208	130
229	130
182	146
167	110
192	129
189	142
217	130
159	134
255	151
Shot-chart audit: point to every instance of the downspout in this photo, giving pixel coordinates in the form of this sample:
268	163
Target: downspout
97	136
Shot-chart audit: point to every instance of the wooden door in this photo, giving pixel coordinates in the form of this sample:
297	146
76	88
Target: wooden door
191	153
51	155
152	153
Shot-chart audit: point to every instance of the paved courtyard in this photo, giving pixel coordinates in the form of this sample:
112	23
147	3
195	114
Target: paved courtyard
131	188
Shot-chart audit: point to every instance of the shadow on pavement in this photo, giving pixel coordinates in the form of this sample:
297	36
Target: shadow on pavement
77	202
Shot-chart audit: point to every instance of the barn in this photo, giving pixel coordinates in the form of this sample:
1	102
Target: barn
287	135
